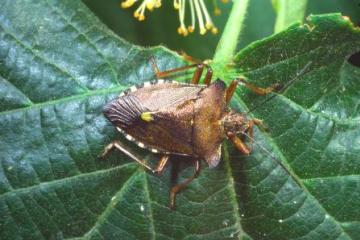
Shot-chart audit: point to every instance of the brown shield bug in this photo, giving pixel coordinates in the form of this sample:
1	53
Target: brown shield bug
173	118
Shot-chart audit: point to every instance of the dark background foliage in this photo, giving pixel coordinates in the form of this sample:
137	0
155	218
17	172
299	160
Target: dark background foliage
160	25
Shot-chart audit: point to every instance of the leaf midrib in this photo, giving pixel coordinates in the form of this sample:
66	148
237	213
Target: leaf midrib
118	195
65	179
67	99
233	192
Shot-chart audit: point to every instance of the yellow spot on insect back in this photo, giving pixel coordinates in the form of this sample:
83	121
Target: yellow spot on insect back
146	116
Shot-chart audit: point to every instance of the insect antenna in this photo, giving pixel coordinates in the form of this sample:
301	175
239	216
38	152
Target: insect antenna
283	88
283	166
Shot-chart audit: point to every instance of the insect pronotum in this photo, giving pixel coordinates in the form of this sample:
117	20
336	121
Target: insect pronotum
172	118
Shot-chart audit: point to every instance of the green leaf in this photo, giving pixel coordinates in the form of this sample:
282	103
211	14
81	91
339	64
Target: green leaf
59	65
288	12
314	130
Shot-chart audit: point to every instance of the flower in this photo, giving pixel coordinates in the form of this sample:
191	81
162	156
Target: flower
140	11
198	13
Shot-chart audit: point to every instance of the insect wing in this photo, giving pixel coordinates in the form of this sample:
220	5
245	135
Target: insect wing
169	108
124	111
163	95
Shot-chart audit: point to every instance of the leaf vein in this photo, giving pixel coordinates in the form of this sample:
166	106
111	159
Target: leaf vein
62	180
23	45
115	75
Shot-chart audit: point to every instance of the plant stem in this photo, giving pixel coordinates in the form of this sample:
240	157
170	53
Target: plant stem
228	42
288	12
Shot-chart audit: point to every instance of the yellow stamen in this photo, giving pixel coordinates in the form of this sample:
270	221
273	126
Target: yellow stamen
182	29
150	6
200	17
177	4
214	30
217	11
192	26
208	23
128	3
158	3
199	13
139	13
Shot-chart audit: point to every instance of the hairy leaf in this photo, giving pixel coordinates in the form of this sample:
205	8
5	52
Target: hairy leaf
314	131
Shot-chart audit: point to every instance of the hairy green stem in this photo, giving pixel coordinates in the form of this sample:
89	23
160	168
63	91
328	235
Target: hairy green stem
227	45
288	12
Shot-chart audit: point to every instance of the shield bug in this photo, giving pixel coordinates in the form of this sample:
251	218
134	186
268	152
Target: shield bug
191	119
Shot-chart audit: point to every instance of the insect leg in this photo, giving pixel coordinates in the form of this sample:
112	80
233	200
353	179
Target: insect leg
161	164
230	91
258	123
208	76
197	74
195	79
188	58
240	145
159	74
177	188
109	148
116	144
259	90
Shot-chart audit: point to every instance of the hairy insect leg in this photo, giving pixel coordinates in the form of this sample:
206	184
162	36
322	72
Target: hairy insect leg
259	90
258	123
162	74
230	91
239	144
160	167
208	76
188	58
117	145
197	74
177	188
